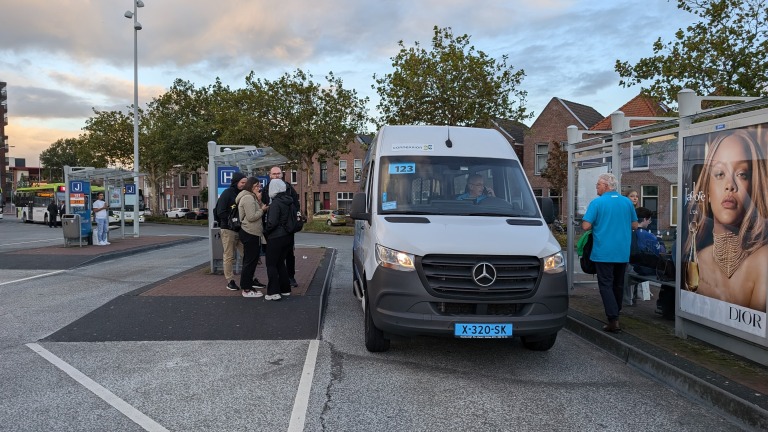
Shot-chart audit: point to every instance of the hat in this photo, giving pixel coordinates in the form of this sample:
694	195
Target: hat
236	177
275	187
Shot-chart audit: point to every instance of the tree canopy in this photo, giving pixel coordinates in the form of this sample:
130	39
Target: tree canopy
451	84
724	54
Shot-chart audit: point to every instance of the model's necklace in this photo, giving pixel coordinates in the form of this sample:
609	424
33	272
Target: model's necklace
728	252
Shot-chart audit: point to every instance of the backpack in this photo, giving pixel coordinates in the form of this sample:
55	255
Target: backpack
233	218
295	221
587	265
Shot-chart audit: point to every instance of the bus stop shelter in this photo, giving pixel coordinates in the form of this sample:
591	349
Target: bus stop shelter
223	162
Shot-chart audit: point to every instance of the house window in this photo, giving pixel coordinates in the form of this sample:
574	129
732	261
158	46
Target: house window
195	201
639	156
649	198
168	182
294	176
673	205
316	204
186	201
182	180
342	171
344	201
538	192
195	180
323	172
358	170
542	153
557	199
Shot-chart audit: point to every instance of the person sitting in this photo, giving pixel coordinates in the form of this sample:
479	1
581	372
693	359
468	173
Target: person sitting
648	244
476	190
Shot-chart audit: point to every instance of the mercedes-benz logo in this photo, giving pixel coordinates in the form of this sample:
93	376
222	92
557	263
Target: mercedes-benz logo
484	274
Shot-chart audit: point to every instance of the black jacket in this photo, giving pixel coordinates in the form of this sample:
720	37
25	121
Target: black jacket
53	210
277	216
224	204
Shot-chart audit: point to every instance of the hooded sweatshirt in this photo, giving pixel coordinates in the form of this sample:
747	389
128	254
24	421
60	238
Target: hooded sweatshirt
227	200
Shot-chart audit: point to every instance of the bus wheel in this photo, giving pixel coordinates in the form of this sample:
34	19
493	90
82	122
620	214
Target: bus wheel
45	220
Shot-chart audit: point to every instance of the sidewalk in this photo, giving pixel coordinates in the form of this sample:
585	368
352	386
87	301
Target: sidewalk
730	384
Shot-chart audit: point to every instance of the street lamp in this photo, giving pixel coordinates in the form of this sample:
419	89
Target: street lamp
136	28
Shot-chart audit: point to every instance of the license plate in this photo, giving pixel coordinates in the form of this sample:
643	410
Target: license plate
474	330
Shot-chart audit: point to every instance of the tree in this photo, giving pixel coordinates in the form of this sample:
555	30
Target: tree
66	151
556	171
302	119
725	54
109	138
453	84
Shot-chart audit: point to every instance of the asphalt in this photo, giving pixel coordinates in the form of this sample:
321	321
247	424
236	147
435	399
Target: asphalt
194	305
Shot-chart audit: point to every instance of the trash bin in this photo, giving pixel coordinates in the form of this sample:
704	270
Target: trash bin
70	226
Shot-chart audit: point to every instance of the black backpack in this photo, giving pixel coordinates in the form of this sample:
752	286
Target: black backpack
295	221
587	265
233	219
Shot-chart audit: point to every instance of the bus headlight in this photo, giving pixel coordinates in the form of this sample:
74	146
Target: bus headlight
394	259
554	263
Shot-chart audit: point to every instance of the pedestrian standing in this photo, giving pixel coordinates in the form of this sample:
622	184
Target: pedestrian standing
53	212
611	217
229	238
279	240
62	211
250	211
102	224
290	261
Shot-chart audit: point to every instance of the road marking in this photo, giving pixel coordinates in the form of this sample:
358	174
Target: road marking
33	277
132	413
29	241
300	404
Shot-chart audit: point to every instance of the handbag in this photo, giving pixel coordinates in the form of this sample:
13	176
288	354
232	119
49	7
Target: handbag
644	290
692	266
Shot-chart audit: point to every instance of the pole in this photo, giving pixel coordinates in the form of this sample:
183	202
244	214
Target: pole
135	120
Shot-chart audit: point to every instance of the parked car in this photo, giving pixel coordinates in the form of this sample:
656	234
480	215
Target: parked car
197	214
331	217
177	213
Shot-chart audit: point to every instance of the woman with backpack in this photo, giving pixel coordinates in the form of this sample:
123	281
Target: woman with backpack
250	210
279	239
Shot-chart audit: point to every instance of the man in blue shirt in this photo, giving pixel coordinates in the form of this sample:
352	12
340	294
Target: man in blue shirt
611	217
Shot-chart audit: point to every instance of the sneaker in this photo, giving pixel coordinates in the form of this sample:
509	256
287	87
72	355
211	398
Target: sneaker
272	297
232	286
252	294
285	294
100	244
106	243
293	282
258	285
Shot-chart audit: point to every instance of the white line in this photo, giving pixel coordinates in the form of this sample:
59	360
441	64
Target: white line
132	413
29	241
33	277
300	404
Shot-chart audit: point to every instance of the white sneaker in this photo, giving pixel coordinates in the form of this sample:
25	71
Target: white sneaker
106	243
252	294
272	297
100	244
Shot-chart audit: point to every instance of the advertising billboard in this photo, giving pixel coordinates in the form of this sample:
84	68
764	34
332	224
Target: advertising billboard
724	228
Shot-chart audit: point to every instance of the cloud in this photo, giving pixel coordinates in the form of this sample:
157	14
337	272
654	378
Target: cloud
29	140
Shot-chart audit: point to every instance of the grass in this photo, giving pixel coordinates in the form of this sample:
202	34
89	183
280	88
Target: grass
314	226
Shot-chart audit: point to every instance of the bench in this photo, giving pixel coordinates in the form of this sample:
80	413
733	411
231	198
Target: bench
665	304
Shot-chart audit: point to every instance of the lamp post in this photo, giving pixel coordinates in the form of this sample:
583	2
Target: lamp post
136	27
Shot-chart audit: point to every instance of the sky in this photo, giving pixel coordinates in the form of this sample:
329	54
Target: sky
62	59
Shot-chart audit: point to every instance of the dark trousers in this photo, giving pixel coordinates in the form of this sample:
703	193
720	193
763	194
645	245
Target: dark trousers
290	260
277	272
251	252
52	220
610	281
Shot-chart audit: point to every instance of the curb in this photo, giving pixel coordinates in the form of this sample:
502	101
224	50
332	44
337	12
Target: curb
733	403
126	252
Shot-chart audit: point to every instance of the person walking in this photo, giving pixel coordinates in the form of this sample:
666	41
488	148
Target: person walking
279	241
229	238
611	217
290	261
251	211
53	211
102	224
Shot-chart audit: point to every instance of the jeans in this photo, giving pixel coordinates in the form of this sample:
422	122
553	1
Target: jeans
610	281
252	249
102	229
